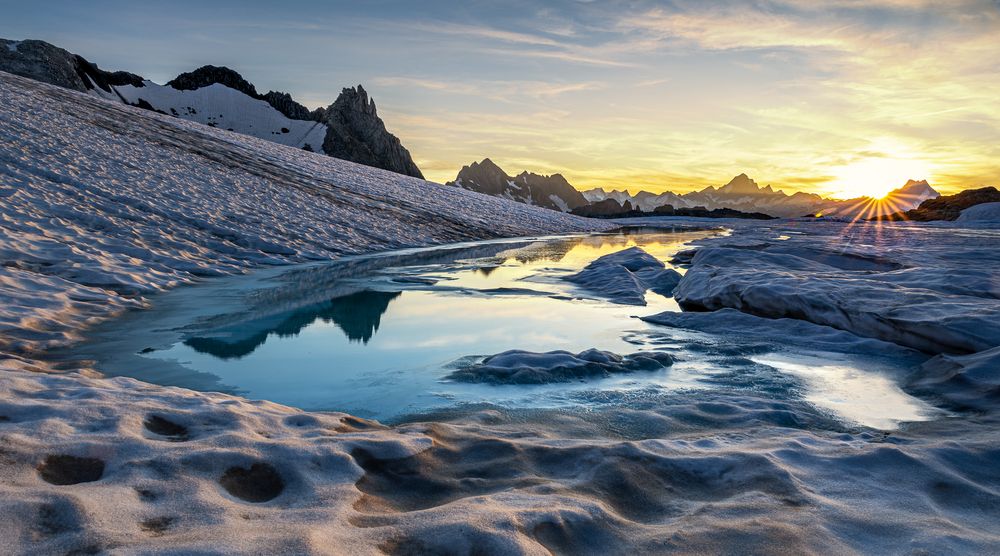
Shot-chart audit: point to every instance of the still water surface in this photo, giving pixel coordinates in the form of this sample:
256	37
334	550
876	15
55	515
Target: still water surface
378	337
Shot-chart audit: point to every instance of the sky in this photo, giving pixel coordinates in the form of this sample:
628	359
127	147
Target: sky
842	97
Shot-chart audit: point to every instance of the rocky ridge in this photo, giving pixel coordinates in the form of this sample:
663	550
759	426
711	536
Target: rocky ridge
552	192
353	131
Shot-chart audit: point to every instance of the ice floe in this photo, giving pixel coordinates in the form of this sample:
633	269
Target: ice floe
524	367
931	297
625	276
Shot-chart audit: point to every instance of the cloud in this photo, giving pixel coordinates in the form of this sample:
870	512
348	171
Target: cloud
503	91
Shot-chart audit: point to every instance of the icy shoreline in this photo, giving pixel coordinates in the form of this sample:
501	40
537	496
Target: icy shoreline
103	204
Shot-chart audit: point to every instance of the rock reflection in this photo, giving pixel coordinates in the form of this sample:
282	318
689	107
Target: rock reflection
358	315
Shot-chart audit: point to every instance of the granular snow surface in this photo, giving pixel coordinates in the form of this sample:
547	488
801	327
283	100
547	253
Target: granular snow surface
103	206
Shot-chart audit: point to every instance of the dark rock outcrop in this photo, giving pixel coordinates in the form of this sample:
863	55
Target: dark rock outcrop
44	62
356	133
552	192
354	130
603	209
484	177
210	75
283	102
948	207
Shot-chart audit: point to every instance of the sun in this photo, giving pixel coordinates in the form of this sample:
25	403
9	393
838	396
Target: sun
877	176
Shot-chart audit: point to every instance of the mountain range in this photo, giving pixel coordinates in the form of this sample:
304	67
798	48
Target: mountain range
741	194
348	129
552	192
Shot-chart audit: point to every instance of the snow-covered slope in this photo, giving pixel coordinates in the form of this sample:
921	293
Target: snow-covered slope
349	129
220	106
986	212
102	203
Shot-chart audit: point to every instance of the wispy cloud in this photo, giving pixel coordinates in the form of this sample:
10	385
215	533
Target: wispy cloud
630	93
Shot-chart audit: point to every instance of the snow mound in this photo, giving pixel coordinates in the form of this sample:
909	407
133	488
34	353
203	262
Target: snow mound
525	367
986	212
730	323
94	463
965	380
624	276
866	303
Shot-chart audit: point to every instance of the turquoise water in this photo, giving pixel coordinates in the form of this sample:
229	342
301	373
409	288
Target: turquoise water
382	351
378	336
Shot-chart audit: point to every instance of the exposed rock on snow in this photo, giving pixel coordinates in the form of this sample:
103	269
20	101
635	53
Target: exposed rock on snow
220	97
44	62
212	75
949	207
624	277
524	367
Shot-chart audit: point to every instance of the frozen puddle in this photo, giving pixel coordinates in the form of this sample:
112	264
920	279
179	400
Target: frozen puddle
867	398
410	332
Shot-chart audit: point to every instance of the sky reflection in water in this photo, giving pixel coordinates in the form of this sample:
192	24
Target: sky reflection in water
382	353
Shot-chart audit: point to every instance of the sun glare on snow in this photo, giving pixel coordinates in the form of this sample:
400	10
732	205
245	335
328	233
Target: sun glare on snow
876	177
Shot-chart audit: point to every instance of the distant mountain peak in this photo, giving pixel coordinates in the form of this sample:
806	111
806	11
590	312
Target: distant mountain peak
740	184
917	186
488	165
552	192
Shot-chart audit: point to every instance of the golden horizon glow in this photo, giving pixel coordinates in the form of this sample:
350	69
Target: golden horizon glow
876	176
840	98
843	99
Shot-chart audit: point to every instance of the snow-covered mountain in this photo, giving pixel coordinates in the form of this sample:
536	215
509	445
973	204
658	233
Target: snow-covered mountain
552	192
349	128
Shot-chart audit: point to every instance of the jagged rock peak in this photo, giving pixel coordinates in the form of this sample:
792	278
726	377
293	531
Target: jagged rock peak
531	177
552	192
356	133
479	170
355	99
486	163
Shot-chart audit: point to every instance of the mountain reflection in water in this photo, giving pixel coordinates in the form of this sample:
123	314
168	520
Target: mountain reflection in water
358	315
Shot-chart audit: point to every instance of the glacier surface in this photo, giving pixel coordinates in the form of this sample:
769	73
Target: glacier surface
104	205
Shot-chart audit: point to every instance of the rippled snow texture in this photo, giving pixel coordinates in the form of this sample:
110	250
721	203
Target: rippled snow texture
103	204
